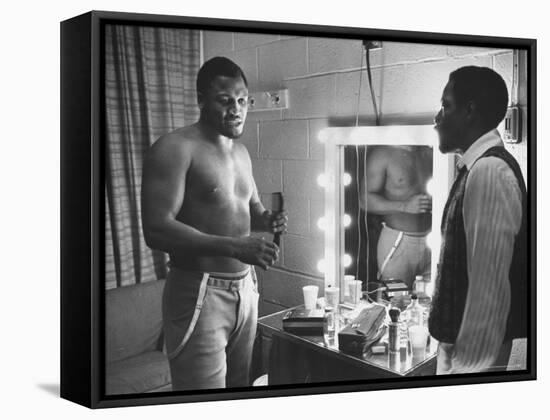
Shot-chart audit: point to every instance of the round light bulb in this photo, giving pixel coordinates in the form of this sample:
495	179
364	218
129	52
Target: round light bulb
347	220
346	179
322	180
433	240
322	136
346	260
322	223
321	266
430	186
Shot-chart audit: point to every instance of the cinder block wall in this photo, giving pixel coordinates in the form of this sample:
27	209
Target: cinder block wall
323	76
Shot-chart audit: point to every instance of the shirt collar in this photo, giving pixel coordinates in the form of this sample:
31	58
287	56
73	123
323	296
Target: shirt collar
480	146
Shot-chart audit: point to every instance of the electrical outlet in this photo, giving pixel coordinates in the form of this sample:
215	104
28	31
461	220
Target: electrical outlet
268	100
511	125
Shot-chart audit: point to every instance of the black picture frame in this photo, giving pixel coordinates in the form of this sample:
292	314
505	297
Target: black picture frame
82	207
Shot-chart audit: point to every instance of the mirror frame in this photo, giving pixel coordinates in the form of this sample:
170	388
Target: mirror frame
334	139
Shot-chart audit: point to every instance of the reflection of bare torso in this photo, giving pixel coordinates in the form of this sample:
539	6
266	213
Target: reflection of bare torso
407	172
218	189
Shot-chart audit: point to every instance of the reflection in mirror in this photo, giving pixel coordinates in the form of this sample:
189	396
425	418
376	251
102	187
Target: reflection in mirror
386	187
390	211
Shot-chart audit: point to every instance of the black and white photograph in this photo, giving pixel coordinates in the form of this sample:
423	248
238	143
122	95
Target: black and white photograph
285	209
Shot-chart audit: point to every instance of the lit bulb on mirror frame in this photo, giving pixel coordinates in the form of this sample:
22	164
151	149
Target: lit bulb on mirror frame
346	179
322	180
322	223
321	266
433	240
346	220
430	186
346	260
322	136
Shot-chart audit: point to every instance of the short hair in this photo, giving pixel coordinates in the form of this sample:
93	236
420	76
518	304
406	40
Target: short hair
217	66
486	88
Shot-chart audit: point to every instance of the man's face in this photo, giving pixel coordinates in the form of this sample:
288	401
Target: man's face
224	106
451	122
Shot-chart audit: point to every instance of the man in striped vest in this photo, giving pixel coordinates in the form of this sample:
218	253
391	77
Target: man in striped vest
480	299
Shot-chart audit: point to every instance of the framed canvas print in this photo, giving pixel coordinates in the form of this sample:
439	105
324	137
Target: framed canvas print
254	209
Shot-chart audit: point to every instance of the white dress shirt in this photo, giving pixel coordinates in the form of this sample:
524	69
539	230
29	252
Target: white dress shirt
492	211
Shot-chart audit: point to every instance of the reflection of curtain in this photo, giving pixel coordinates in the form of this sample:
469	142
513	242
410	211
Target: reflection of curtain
361	236
149	90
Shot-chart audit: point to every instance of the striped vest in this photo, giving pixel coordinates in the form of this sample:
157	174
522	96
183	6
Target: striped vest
451	286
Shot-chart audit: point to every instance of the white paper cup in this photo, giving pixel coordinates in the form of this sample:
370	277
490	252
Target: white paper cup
347	279
310	296
355	291
332	296
418	335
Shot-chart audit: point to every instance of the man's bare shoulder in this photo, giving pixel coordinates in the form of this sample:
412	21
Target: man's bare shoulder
379	155
180	140
174	149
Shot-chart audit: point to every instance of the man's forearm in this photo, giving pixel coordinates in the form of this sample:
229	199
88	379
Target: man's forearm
378	204
257	219
175	237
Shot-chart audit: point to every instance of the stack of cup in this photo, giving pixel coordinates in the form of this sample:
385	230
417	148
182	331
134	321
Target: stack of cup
332	297
310	296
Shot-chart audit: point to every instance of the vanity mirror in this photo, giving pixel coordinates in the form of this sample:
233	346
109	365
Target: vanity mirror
385	190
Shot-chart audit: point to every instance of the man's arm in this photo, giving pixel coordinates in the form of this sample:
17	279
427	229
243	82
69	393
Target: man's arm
492	218
163	191
371	198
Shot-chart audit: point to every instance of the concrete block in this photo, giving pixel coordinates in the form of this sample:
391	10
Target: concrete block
284	139
250	138
316	147
404	52
330	54
317	210
300	178
268	175
302	254
503	64
245	40
347	88
257	116
311	98
216	43
247	60
280	60
285	289
460	51
417	88
298	214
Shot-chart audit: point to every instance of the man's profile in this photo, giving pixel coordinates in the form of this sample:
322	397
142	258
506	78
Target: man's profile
480	300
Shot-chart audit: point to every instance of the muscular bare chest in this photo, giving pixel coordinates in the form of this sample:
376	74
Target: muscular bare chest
409	171
219	180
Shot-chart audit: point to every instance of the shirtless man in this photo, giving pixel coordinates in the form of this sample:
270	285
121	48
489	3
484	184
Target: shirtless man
396	189
199	204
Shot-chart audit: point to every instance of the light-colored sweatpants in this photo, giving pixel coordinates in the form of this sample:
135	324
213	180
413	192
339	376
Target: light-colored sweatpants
412	256
209	326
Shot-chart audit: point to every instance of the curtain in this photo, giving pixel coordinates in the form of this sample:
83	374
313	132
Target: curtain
149	90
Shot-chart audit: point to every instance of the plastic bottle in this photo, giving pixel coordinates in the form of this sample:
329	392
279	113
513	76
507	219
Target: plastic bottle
414	312
329	323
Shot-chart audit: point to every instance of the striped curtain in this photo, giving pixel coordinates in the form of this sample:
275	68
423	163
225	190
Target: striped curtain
149	90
